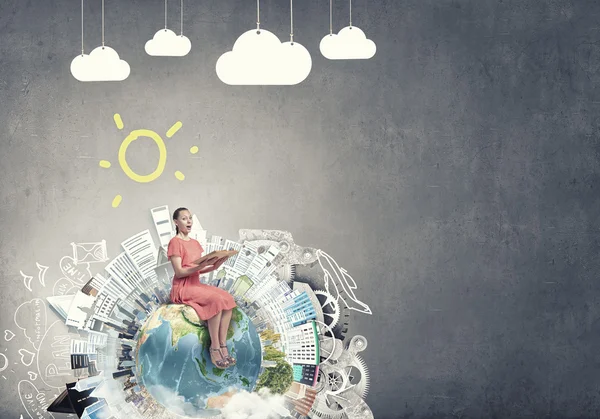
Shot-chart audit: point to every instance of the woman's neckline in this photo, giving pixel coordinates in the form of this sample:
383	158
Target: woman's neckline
183	239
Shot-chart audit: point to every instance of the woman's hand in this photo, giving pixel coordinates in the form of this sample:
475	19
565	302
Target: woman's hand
206	263
219	262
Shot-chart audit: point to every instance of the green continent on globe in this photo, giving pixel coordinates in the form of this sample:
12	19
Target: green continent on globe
184	320
174	362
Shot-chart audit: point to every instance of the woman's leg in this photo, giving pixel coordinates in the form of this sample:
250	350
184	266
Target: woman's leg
223	328
213	329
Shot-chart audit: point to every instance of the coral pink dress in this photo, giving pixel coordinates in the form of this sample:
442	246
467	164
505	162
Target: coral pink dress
207	300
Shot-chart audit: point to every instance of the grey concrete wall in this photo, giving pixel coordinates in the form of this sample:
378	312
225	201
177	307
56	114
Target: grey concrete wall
455	175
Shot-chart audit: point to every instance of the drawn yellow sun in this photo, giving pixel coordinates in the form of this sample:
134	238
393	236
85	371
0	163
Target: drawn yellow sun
162	156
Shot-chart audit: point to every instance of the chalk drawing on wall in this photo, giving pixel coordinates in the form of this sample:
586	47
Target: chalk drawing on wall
162	157
34	401
100	327
63	287
42	273
89	252
102	64
77	273
350	43
35	310
27	357
340	284
8	335
167	43
258	57
26	280
4	362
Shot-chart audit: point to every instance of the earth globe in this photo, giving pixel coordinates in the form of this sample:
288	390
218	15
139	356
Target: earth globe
174	364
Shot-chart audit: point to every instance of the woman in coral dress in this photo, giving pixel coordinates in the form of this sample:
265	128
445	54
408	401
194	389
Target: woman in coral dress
211	303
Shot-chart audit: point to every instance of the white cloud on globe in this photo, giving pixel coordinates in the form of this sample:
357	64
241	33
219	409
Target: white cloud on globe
172	401
350	43
102	64
262	404
259	58
167	43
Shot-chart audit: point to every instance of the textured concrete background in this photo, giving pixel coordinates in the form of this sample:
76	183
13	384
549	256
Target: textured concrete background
455	175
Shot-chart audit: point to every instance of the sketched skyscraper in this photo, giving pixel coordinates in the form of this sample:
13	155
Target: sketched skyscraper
140	249
198	233
162	221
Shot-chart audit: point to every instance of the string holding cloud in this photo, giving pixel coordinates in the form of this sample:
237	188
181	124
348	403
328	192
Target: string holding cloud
167	43
350	43
258	57
102	64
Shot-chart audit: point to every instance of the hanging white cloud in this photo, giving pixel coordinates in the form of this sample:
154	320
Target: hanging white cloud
350	43
167	43
260	58
102	64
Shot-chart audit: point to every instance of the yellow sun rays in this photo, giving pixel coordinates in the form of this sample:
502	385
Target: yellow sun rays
162	156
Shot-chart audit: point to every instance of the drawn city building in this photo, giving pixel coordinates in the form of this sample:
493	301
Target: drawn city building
80	310
198	233
123	270
228	283
303	344
122	373
260	259
140	249
306	374
98	410
269	269
215	243
162	259
112	287
260	287
301	398
92	287
78	402
242	285
298	307
60	304
104	306
278	323
243	260
231	245
162	222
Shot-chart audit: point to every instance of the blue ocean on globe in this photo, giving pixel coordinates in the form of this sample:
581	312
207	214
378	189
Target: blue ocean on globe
175	366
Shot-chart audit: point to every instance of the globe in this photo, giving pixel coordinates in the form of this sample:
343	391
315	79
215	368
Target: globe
174	363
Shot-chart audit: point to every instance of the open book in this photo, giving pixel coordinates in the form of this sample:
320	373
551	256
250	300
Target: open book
216	254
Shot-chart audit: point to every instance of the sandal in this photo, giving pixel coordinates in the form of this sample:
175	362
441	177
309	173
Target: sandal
219	363
230	360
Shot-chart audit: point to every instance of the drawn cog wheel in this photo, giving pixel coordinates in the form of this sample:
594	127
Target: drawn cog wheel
337	380
358	374
330	307
286	273
323	406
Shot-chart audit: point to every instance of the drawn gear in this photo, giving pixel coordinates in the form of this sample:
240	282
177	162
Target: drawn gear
330	307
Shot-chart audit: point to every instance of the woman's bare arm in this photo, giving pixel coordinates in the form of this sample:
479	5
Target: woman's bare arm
181	272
